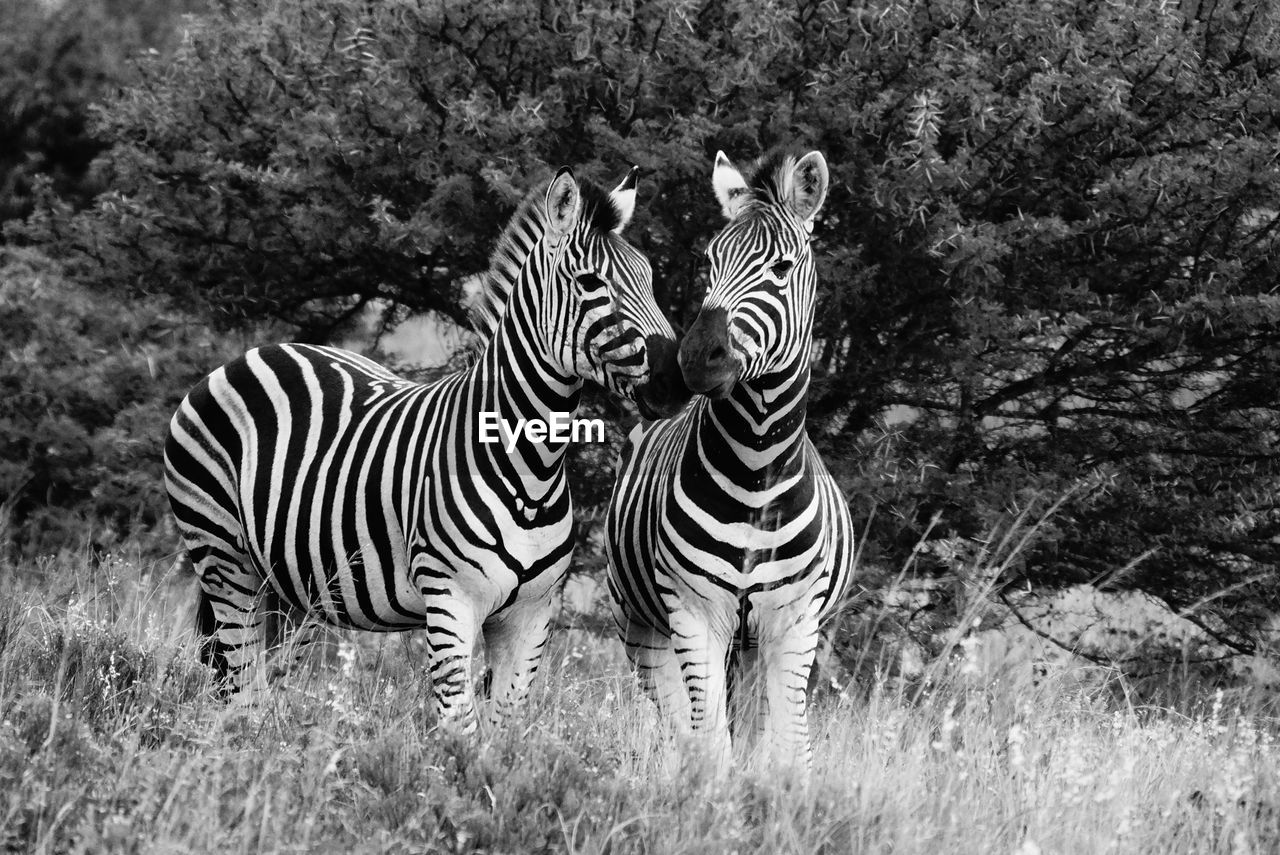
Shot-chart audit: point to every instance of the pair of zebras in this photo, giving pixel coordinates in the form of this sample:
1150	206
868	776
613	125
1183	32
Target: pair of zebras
311	481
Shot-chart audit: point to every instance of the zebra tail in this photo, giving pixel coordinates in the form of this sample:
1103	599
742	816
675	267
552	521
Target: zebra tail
211	651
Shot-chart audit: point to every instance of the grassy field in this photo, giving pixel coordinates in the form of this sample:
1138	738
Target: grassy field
111	741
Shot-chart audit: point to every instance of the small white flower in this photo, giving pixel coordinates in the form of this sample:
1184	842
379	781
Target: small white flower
943	742
1016	740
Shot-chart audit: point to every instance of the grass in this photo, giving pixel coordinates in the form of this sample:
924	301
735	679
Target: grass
111	740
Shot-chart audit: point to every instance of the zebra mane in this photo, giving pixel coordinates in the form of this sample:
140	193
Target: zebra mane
487	293
766	178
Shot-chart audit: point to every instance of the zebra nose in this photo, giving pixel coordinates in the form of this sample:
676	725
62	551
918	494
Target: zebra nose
665	392
706	359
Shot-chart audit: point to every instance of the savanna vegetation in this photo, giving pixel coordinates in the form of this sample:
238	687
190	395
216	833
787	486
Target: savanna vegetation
1046	357
112	740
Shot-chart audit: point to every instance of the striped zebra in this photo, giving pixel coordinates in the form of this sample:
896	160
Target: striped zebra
726	531
311	481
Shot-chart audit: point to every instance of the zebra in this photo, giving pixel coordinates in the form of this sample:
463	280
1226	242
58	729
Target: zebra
311	481
725	529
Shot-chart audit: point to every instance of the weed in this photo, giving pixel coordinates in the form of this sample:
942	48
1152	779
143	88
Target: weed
111	740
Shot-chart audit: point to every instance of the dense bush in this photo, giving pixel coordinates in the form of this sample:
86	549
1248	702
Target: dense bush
303	160
86	391
56	59
1049	251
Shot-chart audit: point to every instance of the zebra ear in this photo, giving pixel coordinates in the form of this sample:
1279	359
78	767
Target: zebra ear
730	186
807	188
624	199
563	203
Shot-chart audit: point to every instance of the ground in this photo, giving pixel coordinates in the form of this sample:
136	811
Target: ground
111	740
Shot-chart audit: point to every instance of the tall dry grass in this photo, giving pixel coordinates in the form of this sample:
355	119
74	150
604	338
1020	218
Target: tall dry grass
112	741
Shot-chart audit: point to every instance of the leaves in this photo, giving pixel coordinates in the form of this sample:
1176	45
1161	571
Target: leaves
86	393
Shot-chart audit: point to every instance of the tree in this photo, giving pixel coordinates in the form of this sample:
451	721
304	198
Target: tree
55	60
1048	253
306	160
1063	272
86	392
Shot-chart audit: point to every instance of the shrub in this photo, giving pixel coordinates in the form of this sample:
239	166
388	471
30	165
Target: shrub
56	59
86	392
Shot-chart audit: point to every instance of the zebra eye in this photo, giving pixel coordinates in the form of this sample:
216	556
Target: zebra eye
590	282
781	269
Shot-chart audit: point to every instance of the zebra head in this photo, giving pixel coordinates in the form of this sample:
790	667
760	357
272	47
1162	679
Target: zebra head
601	319
757	316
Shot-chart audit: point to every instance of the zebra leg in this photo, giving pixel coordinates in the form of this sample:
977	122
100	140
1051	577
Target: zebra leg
232	616
514	642
701	643
295	641
451	636
788	646
746	714
658	670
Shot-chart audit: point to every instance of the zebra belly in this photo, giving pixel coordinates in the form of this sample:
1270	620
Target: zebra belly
353	564
334	559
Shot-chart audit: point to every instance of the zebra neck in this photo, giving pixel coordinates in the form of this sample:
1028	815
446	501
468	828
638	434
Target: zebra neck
517	381
760	426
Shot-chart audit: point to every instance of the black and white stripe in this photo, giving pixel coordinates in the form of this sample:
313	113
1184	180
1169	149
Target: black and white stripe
726	530
312	481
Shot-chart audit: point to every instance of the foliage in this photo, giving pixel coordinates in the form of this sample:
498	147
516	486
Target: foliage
1061	277
55	60
358	154
86	392
1048	253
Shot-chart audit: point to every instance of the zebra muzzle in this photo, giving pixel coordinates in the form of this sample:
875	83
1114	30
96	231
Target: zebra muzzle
707	360
664	393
